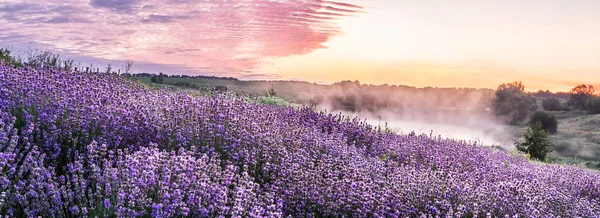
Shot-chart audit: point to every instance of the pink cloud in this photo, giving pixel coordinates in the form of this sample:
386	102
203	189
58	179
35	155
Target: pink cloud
219	35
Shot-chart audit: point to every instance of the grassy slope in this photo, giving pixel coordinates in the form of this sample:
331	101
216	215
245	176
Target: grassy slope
577	140
245	88
285	89
579	136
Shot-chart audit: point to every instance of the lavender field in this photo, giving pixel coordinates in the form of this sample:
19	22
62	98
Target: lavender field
79	144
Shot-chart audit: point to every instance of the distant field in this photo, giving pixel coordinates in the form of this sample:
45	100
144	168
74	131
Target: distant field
290	90
579	136
577	140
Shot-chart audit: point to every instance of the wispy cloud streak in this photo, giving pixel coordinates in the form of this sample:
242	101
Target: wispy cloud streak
225	36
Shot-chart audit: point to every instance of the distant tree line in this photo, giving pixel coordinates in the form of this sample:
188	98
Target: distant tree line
150	75
548	94
429	103
554	104
513	104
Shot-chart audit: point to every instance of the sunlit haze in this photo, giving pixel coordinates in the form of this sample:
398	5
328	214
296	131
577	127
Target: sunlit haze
547	44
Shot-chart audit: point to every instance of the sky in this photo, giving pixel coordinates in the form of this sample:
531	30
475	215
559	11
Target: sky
547	44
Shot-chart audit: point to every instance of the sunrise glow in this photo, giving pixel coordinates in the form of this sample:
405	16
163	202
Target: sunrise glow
466	43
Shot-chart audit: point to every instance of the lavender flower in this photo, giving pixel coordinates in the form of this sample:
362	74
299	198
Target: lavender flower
89	144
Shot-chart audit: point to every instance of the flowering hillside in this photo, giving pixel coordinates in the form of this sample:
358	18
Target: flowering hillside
87	144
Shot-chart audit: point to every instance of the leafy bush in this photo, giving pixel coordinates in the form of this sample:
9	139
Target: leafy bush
187	85
534	106
580	95
271	93
273	101
511	103
536	143
548	121
160	78
7	58
593	105
552	104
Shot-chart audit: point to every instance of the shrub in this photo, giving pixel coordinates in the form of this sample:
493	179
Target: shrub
534	106
536	143
7	58
580	95
593	105
551	104
273	101
161	78
548	121
271	92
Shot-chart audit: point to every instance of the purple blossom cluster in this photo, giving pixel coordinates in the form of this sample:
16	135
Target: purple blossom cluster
99	145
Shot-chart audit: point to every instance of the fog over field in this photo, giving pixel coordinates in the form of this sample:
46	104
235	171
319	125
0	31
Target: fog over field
475	128
456	113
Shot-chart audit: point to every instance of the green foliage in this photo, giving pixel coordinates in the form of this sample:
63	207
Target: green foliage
6	58
187	85
536	144
161	78
272	101
580	95
271	92
593	105
552	104
512	103
35	58
548	121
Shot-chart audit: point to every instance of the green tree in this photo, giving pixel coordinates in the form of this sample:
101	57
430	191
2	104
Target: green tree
536	143
6	58
548	121
511	103
161	78
580	95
